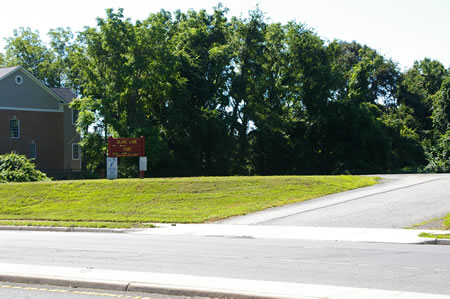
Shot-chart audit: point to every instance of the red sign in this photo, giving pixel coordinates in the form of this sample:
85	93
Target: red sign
126	147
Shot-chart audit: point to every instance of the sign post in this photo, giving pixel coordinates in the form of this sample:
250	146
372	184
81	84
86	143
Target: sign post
111	168
128	147
142	166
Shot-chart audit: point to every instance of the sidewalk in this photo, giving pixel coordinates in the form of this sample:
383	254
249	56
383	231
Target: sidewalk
338	234
177	284
373	235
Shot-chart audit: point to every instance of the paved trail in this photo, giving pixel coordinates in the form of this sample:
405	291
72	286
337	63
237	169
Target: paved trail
399	201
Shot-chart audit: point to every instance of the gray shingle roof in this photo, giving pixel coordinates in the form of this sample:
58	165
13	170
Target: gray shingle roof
65	93
6	70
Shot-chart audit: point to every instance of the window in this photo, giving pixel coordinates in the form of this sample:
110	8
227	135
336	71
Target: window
14	128
32	151
19	79
75	151
74	116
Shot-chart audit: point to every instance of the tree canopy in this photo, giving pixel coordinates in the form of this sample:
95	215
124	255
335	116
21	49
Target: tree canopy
242	96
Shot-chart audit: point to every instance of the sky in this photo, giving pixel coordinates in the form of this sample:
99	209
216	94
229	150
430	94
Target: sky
404	30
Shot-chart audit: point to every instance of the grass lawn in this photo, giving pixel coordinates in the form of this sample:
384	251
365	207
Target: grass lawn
445	226
135	202
435	236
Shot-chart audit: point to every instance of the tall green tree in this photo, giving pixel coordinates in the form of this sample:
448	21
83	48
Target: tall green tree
247	84
416	88
423	90
26	48
364	86
199	133
438	148
63	46
441	107
270	113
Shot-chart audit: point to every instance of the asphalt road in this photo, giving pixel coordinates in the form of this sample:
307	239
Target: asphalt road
413	268
399	201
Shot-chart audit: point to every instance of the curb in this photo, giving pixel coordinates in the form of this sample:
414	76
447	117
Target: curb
442	241
65	229
430	242
125	286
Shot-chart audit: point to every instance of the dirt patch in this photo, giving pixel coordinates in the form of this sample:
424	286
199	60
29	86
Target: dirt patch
435	224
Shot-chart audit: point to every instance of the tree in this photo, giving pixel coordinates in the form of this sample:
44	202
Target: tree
247	85
438	152
440	103
424	89
63	46
26	48
310	88
416	88
362	87
105	67
203	51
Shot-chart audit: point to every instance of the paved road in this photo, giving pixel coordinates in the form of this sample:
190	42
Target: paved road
400	201
413	268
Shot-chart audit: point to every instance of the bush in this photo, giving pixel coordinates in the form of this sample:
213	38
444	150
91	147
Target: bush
18	168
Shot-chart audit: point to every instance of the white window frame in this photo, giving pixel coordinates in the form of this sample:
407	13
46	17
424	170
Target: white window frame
35	150
78	152
19	79
18	128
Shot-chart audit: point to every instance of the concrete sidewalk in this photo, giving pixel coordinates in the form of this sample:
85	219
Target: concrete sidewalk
177	284
373	235
339	234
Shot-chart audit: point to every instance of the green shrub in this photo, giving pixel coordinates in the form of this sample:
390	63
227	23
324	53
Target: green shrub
18	168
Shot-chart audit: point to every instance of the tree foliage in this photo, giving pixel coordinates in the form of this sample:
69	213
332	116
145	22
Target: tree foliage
220	96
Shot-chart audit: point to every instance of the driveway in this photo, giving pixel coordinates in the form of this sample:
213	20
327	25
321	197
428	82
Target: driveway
399	201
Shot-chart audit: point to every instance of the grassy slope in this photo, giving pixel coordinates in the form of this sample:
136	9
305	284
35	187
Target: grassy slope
435	236
187	200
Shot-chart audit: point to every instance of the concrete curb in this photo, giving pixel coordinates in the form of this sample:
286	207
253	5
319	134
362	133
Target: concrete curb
442	241
125	286
65	229
65	282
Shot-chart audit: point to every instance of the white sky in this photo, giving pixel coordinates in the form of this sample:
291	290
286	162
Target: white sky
404	30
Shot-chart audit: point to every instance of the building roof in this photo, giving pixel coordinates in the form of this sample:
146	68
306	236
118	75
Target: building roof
65	93
6	70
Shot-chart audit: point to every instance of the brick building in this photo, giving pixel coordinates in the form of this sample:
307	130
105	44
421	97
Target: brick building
36	121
